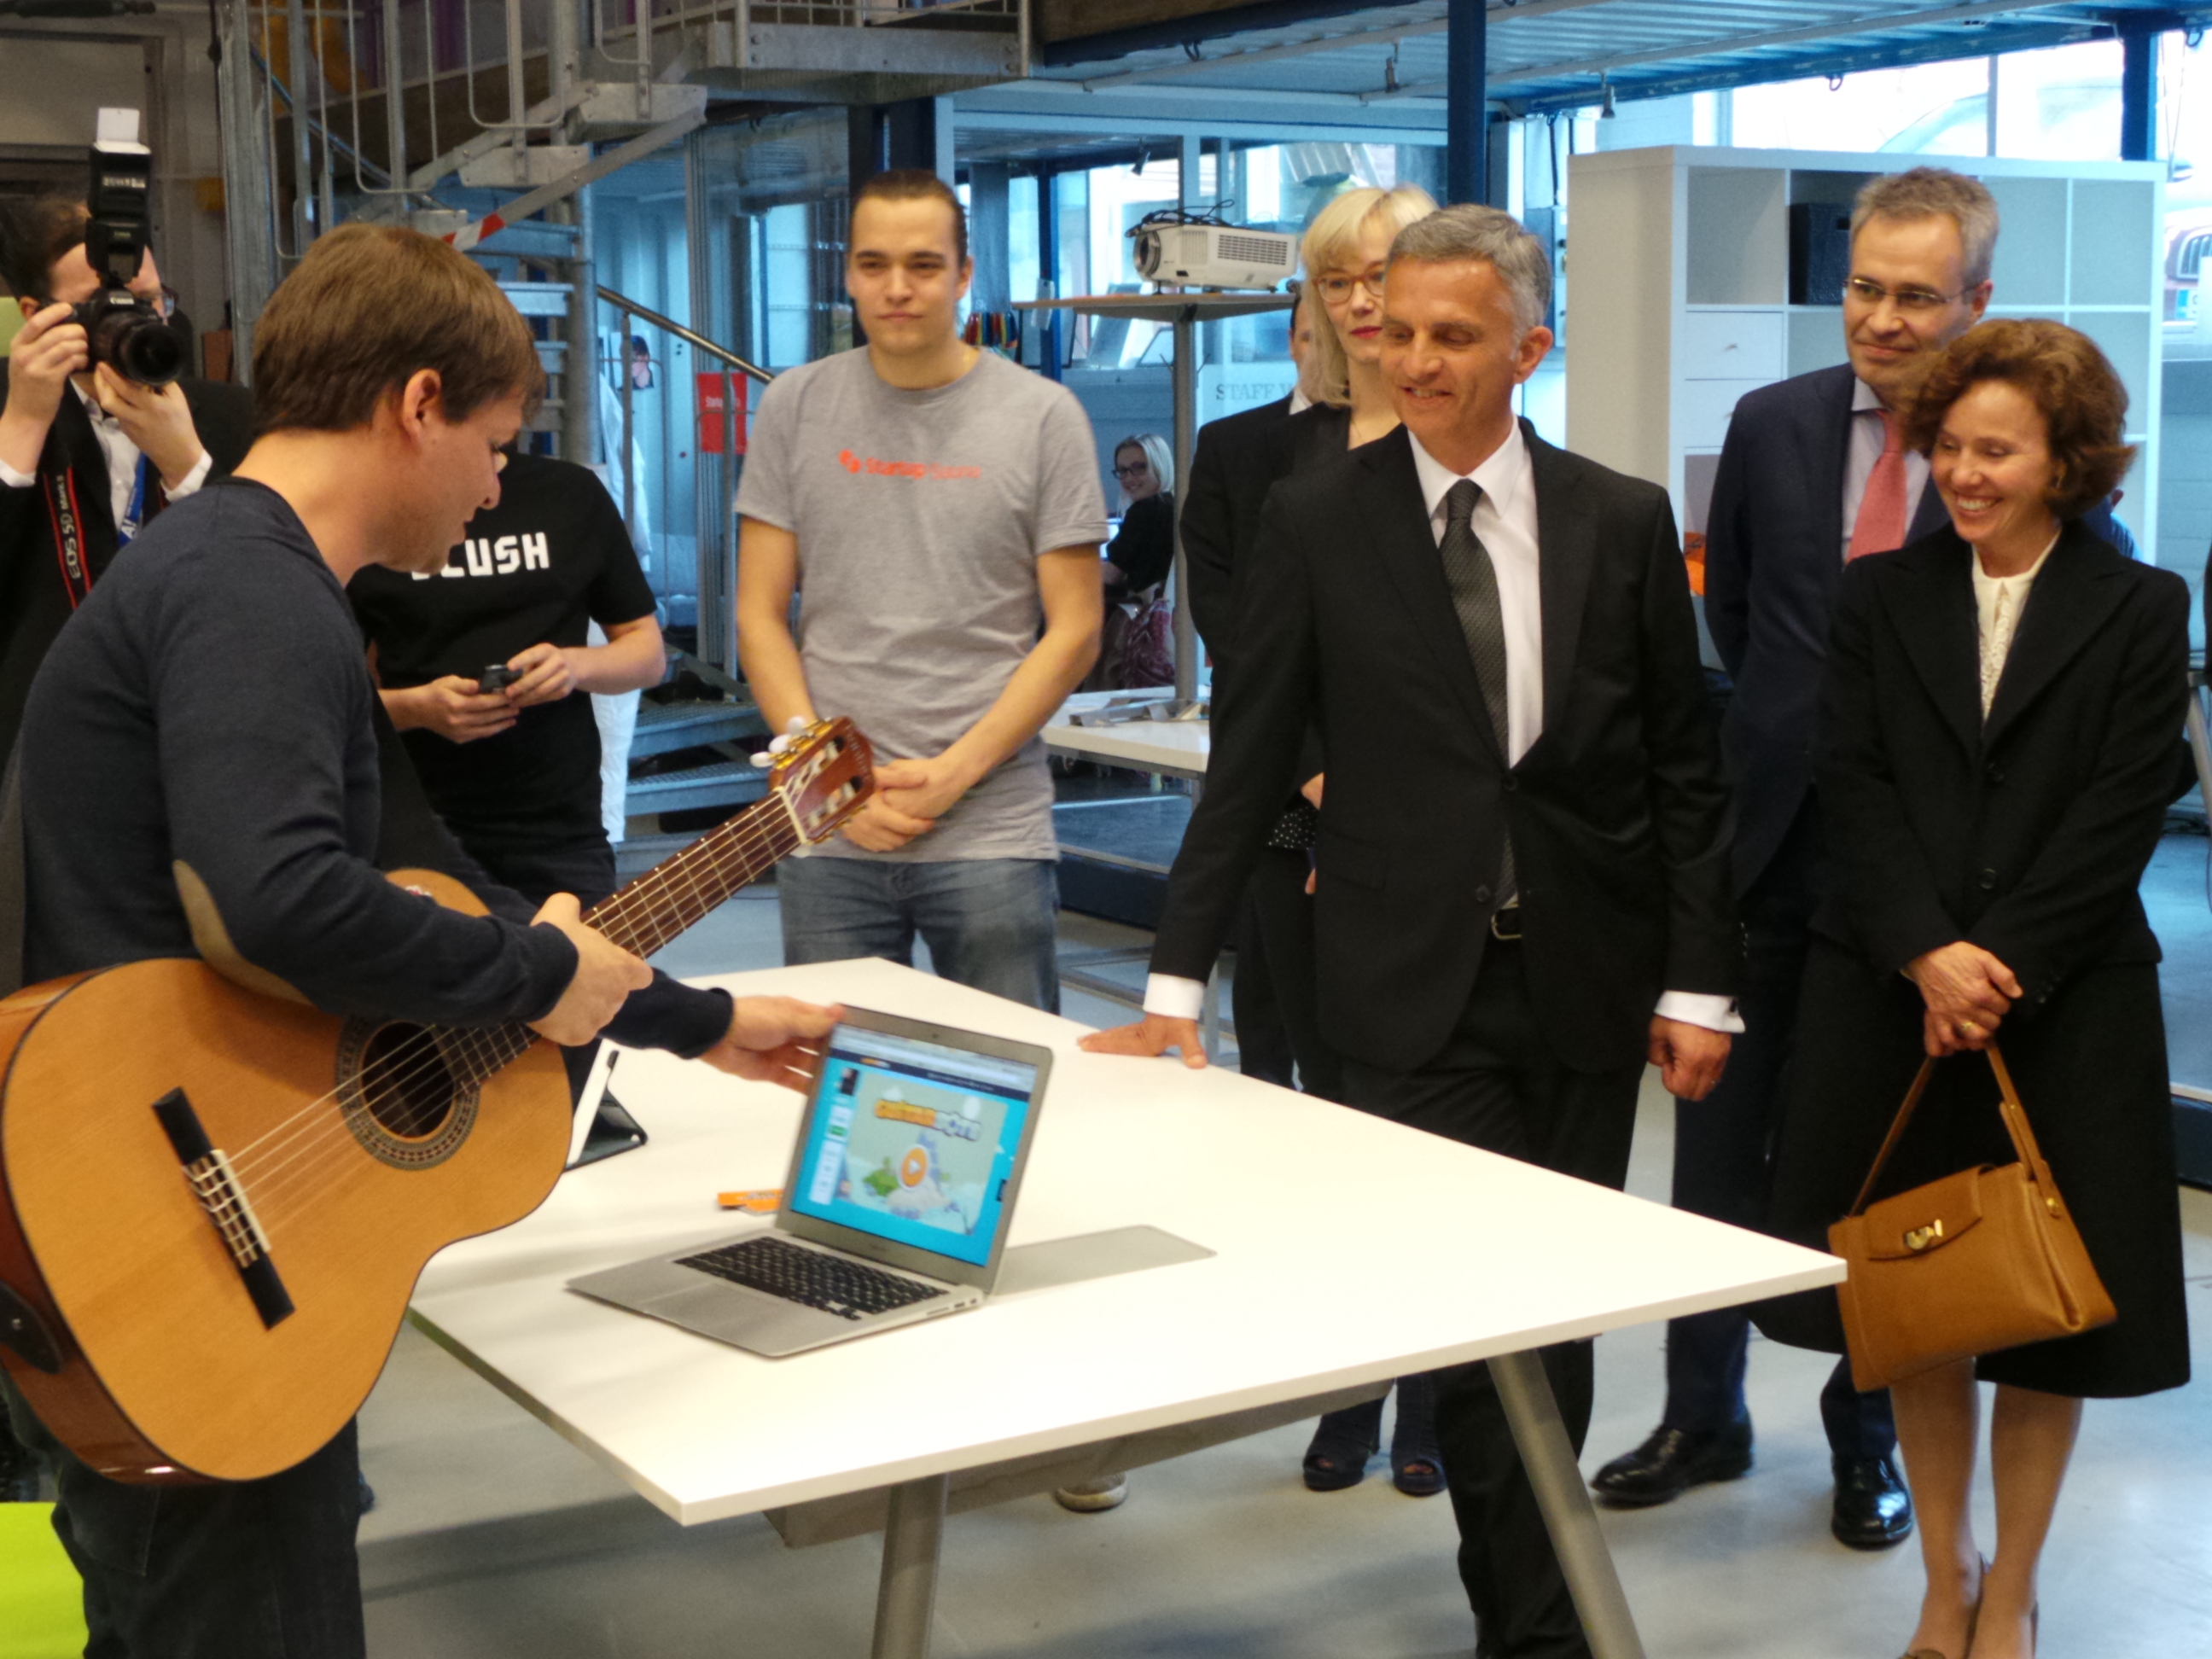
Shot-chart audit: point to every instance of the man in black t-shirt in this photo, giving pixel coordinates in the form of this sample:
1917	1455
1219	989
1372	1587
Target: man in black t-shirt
515	774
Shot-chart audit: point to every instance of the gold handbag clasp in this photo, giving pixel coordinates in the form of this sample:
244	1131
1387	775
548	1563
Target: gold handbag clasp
1919	1238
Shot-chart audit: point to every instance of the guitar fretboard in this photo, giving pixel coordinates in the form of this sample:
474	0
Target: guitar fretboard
647	914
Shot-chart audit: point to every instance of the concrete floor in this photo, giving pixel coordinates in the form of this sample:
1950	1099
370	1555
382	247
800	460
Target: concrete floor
492	1537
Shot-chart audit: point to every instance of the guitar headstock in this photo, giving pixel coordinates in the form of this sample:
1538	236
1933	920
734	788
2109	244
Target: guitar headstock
822	774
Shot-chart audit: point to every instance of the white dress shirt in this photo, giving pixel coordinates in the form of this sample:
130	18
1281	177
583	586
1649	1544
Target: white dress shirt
1998	602
1505	520
1868	437
122	458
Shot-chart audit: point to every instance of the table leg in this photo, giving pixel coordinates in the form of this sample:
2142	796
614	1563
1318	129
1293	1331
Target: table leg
906	1599
1549	1457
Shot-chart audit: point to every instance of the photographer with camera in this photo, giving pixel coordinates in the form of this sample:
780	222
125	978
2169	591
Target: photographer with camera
89	454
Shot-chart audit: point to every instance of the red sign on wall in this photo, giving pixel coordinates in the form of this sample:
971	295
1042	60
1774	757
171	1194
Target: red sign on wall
719	395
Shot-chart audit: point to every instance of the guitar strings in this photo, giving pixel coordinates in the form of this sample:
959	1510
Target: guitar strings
622	906
281	1171
735	842
652	902
481	1045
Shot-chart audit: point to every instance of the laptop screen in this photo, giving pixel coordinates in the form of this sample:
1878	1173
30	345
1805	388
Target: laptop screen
914	1142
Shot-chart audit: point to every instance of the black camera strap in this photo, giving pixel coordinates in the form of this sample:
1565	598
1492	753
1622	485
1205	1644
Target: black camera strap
69	533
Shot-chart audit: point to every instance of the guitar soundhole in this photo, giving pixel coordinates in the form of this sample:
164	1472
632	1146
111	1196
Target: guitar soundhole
406	1084
400	1096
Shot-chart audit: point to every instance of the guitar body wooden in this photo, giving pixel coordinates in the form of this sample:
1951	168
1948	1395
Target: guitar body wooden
108	1242
215	1201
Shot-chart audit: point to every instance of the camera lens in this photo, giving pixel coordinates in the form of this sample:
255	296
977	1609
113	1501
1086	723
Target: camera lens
126	334
150	352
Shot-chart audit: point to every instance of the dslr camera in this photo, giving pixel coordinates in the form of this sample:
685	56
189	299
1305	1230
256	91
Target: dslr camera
124	333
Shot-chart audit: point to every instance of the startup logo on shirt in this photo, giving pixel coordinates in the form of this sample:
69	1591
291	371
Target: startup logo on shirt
878	469
486	558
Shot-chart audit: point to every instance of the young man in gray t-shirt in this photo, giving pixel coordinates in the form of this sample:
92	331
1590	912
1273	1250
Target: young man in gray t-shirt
938	510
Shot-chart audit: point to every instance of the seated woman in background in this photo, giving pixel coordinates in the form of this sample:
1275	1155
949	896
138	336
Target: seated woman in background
1999	749
1138	648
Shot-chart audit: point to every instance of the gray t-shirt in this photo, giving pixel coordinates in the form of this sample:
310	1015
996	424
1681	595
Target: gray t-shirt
919	516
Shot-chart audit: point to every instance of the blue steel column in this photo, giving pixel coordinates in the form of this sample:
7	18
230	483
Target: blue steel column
2138	93
1466	125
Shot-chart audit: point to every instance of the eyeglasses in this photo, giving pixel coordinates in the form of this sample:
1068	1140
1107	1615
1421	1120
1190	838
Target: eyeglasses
1137	471
1339	289
1910	300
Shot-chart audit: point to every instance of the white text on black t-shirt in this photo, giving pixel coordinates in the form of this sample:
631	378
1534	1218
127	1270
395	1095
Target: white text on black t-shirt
502	557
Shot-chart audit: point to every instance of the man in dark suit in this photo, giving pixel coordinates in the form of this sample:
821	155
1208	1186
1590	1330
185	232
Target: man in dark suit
1811	475
1522	883
86	457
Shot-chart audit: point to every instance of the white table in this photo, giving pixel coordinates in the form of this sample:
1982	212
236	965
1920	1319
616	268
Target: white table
1425	1252
1167	748
1172	748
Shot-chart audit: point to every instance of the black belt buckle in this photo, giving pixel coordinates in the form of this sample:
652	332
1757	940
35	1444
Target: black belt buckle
1505	924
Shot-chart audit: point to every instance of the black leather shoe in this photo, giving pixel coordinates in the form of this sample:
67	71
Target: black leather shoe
1873	1510
1672	1462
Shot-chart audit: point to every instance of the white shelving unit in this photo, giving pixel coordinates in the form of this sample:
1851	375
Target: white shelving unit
1680	267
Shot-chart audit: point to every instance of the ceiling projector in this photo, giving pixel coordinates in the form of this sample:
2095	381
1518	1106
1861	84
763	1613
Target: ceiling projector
1211	255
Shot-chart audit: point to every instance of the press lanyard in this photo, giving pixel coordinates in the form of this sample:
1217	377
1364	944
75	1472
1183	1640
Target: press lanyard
134	514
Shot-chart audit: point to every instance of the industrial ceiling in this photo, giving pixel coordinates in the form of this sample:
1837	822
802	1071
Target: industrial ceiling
1549	54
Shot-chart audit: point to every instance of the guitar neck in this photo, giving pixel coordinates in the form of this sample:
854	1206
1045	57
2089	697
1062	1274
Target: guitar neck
654	909
679	892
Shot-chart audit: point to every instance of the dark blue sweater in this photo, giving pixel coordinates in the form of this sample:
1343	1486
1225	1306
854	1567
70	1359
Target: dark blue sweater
210	706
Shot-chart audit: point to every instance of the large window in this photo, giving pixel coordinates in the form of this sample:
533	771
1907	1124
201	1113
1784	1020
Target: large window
1936	109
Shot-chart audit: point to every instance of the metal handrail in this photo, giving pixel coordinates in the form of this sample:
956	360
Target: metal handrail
624	302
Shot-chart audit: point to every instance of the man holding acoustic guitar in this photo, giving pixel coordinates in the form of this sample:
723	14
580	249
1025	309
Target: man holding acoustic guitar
199	779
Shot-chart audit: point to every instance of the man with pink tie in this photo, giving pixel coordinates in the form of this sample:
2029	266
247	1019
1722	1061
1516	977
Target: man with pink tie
1812	476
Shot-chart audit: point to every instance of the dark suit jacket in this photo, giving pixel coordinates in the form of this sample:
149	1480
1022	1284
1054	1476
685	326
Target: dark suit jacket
34	599
1774	540
2027	834
1236	471
1221	499
1617	813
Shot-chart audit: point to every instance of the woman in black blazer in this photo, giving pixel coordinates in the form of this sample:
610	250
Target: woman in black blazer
2000	744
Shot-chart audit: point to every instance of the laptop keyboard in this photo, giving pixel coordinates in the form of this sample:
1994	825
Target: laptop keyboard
813	1278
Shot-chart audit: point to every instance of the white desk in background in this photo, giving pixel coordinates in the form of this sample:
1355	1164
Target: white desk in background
1165	748
1426	1253
1168	748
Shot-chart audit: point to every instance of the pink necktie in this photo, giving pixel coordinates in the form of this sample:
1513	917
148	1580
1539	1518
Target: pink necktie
1880	526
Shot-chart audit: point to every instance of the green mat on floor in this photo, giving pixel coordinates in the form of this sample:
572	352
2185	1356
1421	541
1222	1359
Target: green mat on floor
41	1603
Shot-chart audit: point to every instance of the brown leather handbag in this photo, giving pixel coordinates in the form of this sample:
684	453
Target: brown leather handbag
1981	1261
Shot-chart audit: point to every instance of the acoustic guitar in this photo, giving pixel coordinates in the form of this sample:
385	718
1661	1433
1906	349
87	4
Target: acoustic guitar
215	1202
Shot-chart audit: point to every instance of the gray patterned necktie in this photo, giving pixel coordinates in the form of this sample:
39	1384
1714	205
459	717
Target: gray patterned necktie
1473	585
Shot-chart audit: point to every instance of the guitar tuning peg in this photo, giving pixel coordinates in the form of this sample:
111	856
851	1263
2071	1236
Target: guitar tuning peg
794	725
762	758
778	745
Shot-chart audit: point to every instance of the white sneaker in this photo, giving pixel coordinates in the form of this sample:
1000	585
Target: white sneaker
1109	1492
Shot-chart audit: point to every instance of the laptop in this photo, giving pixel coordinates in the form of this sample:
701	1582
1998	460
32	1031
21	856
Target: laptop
902	1184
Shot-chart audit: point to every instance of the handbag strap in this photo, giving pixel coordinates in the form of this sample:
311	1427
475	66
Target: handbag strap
2008	1105
1896	1132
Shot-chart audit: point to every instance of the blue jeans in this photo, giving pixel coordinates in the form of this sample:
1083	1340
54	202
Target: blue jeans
257	1569
988	922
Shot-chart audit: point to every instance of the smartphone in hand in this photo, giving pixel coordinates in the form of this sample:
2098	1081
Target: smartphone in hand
496	677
